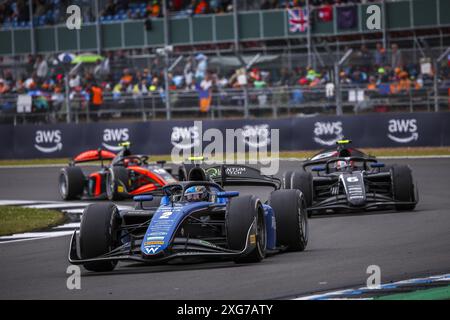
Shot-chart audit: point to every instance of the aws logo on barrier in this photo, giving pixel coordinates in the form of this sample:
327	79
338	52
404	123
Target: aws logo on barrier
403	130
327	133
113	137
185	137
256	136
48	141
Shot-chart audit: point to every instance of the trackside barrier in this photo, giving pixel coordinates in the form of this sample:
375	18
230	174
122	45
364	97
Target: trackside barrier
159	137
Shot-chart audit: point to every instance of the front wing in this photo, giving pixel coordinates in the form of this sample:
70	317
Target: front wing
373	201
181	247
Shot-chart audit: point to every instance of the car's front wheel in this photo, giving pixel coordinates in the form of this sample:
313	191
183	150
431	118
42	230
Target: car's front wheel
403	187
99	234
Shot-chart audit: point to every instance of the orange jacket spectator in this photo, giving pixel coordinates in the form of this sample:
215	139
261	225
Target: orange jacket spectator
372	86
394	88
154	9
3	87
201	7
97	96
404	85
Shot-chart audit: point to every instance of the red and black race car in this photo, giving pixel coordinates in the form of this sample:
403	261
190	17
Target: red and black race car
126	176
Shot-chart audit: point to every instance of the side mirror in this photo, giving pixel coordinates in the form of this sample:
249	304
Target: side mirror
318	168
143	198
227	194
377	165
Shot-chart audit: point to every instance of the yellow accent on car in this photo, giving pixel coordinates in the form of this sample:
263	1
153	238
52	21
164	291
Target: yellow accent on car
343	141
125	144
252	239
199	158
120	189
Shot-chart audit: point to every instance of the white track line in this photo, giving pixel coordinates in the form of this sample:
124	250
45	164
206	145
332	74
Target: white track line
73	225
59	205
34	236
20	202
55	231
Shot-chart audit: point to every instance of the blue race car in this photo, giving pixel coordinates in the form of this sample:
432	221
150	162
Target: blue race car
195	219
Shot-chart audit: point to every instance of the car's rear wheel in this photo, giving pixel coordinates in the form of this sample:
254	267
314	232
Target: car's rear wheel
403	187
99	234
71	183
241	213
291	218
116	180
303	181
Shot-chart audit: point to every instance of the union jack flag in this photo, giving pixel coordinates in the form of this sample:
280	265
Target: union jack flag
298	19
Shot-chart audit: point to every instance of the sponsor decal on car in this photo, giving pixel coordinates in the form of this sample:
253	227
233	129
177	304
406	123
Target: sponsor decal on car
328	133
48	141
213	172
154	238
149	243
151	249
157	233
235	171
403	130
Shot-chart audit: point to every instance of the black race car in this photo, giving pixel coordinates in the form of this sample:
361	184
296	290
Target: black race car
346	179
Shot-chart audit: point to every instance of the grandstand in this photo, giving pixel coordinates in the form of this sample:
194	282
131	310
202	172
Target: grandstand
217	59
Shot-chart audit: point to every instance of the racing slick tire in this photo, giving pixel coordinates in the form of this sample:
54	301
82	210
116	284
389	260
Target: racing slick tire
71	183
241	212
286	180
303	181
117	177
99	234
291	218
403	187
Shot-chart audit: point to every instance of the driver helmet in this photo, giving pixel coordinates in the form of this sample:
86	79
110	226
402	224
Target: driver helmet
196	193
129	162
342	164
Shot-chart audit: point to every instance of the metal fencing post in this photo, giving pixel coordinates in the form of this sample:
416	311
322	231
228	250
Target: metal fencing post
68	117
435	78
167	61
337	90
337	65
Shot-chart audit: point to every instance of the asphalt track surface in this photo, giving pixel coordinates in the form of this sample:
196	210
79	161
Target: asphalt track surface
341	247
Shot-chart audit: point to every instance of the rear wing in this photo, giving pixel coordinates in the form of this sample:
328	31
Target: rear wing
235	175
93	155
328	161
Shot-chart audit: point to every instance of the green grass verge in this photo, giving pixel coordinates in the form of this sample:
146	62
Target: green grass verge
18	220
378	152
442	293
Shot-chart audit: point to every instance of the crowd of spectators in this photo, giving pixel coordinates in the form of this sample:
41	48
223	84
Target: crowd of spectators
44	78
16	13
